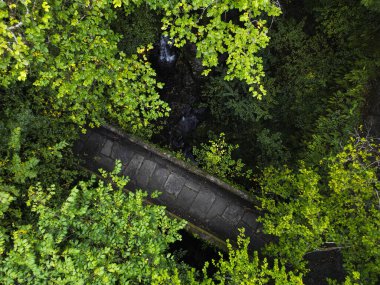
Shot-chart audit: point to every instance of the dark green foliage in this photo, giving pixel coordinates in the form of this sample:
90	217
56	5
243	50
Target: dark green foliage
372	4
231	102
232	108
32	148
46	139
341	59
319	63
140	28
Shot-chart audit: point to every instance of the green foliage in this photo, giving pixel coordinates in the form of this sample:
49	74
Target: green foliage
355	280
13	175
371	4
320	67
232	108
301	86
140	28
241	40
295	213
75	63
216	158
99	235
71	58
353	206
306	210
230	101
271	148
69	55
19	170
41	138
242	268
32	148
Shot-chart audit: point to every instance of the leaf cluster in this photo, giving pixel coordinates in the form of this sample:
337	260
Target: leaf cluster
216	158
309	212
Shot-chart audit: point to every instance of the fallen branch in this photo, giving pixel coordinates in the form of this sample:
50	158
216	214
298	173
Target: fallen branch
18	25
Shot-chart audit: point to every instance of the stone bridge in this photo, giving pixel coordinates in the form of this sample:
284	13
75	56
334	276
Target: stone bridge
214	210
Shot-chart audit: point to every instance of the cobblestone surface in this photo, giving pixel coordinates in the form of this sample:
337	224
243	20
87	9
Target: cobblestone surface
184	192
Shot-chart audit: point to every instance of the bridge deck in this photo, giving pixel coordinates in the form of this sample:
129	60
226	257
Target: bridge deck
204	201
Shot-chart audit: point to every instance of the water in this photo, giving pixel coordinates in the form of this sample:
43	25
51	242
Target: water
167	53
182	92
181	130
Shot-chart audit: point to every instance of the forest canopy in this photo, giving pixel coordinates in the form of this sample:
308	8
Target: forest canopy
288	87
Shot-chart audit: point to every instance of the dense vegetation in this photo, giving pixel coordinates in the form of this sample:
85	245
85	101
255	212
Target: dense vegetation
285	94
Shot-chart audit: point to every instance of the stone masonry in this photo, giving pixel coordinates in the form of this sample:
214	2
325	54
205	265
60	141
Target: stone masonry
187	192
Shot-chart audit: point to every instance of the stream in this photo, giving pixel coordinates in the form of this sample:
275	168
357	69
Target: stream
180	72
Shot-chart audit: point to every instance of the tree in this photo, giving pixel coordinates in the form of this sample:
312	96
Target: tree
320	64
102	235
98	235
241	38
54	233
308	211
31	149
245	269
92	231
68	54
